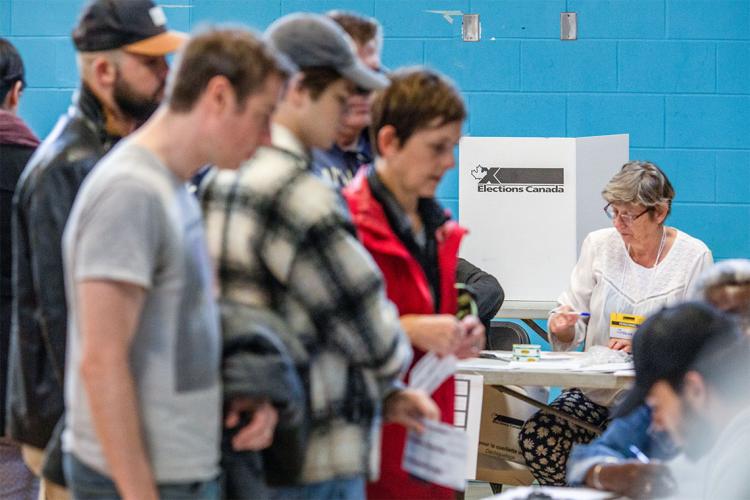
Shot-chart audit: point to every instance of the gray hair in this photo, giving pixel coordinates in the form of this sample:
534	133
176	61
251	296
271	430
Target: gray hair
726	285
640	182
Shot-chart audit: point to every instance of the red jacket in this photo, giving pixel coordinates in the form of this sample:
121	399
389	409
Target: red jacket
408	288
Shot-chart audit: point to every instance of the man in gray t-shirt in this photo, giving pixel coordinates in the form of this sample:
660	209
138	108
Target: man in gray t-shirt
143	394
137	224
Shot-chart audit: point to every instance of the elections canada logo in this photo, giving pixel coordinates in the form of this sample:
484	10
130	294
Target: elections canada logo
519	180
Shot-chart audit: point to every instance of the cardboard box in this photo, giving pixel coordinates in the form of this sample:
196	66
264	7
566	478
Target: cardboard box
497	470
501	422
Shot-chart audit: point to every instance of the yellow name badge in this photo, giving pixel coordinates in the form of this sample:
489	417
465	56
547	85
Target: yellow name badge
623	326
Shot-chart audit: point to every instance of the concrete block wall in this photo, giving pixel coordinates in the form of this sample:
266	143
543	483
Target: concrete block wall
674	74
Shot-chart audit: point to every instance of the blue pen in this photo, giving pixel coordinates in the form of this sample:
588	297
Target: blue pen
639	454
579	313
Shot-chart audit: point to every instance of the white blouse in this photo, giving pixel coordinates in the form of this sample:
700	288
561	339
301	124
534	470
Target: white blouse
606	279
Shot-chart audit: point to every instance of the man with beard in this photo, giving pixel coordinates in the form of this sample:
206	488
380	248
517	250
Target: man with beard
706	409
121	47
686	358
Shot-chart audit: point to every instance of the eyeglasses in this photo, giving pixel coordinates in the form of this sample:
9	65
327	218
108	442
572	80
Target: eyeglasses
626	219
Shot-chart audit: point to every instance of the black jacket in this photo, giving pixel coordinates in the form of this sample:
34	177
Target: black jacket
260	361
485	288
13	157
41	206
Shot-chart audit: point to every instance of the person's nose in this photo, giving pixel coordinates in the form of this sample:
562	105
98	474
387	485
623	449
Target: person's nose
619	223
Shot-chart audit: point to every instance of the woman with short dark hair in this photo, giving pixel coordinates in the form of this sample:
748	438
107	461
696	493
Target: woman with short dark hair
416	124
17	143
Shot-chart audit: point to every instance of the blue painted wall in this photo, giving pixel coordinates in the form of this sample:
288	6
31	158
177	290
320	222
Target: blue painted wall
674	74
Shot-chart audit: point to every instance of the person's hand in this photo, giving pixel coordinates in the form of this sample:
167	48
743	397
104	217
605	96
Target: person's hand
621	345
562	319
635	479
408	407
474	339
562	323
257	434
439	333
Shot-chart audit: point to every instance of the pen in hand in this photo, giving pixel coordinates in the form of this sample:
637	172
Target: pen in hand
578	313
639	454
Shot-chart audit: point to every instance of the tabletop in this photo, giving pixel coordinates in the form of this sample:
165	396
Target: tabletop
555	373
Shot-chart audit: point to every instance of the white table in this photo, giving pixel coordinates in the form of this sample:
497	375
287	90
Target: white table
496	372
500	374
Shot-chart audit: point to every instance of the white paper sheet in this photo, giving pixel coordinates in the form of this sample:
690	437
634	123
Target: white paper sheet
431	371
607	367
545	365
438	455
468	415
523	492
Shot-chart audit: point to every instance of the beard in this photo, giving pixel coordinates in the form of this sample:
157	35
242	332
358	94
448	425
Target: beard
135	105
700	434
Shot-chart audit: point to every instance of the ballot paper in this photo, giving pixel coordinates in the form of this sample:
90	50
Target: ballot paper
431	371
438	455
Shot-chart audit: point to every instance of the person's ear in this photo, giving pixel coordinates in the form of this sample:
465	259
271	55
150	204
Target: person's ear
14	95
219	95
660	212
104	71
296	94
388	141
694	390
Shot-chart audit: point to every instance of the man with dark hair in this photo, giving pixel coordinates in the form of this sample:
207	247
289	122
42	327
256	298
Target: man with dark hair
352	149
121	47
705	408
17	143
143	395
283	242
665	348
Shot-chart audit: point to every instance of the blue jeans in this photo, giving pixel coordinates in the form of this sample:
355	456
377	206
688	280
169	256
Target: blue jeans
85	483
352	488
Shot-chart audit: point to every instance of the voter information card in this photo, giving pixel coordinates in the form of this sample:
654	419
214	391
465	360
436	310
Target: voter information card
438	455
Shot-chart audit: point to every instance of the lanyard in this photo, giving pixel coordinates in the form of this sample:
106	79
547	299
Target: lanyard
628	264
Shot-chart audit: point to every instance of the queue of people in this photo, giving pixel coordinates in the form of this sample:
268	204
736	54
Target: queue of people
253	337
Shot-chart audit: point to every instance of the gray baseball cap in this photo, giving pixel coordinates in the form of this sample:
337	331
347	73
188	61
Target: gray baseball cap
314	41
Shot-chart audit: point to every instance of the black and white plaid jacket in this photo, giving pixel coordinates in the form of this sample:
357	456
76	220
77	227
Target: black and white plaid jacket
283	240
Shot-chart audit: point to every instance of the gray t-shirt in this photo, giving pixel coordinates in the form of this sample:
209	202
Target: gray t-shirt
134	221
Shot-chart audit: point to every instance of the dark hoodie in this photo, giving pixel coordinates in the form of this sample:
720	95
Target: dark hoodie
17	143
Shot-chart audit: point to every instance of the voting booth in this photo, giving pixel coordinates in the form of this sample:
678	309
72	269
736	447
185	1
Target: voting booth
529	202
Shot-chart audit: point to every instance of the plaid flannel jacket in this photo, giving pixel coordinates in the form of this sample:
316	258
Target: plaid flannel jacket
282	239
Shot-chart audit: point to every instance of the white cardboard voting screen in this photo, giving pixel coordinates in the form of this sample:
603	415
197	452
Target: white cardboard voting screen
529	202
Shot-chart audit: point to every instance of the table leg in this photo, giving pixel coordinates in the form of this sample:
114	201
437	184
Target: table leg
542	406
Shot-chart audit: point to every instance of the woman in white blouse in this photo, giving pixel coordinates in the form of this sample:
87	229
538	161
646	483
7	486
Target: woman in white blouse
624	274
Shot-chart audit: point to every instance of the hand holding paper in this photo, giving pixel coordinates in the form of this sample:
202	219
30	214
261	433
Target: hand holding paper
410	408
438	455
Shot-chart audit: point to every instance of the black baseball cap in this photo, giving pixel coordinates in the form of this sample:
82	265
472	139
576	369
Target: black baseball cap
668	344
136	26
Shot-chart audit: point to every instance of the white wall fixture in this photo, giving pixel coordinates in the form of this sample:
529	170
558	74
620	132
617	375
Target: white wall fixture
471	28
568	26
